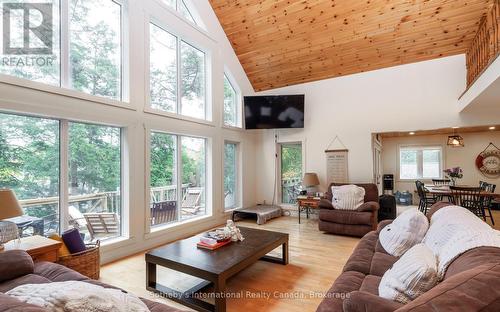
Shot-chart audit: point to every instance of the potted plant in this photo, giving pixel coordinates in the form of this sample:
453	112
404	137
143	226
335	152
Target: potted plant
453	174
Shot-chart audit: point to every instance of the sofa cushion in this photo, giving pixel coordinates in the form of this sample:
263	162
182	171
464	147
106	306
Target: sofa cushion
11	304
407	230
346	217
472	259
412	275
361	258
473	290
370	284
344	284
381	262
57	273
25	279
347	197
360	301
15	263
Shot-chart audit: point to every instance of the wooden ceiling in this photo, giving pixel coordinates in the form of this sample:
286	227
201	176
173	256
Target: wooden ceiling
286	42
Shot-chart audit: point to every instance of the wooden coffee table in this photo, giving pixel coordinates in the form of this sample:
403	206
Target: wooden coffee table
215	267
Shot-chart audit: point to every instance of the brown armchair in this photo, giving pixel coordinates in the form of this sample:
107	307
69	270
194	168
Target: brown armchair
350	222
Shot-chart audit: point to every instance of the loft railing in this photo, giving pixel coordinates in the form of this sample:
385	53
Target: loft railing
486	45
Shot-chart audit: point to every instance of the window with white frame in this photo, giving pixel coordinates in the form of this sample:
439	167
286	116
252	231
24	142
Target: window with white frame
177	75
32	164
78	48
232	104
182	8
420	162
177	178
231	175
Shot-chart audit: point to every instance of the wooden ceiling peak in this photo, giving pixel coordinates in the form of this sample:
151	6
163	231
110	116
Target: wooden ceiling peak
286	42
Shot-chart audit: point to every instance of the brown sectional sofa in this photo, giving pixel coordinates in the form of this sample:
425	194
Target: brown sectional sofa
353	223
17	268
471	283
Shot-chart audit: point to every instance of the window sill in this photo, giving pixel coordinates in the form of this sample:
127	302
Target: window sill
162	229
116	242
229	210
235	128
179	117
38	86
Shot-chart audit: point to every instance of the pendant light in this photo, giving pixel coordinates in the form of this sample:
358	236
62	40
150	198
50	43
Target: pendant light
455	140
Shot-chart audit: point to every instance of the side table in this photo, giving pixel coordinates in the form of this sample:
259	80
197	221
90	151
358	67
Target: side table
38	247
305	203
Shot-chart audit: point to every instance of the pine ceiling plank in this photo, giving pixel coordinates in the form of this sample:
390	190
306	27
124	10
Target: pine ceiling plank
285	42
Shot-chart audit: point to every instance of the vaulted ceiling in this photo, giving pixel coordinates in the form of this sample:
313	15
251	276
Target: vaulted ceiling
286	42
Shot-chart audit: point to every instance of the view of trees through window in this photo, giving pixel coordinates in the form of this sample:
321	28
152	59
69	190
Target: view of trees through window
164	168
291	172
30	162
94	48
164	75
420	162
231	109
181	6
230	175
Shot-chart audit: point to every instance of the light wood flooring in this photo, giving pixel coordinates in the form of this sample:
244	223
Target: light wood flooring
316	260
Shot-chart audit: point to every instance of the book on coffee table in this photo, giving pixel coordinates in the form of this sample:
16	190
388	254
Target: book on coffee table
213	247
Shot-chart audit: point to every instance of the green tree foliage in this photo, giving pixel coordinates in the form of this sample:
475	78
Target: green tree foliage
291	161
230	170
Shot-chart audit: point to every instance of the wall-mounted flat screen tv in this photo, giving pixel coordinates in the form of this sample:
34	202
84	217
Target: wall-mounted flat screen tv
274	111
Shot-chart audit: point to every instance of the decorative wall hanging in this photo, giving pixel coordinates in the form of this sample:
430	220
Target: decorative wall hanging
336	163
488	161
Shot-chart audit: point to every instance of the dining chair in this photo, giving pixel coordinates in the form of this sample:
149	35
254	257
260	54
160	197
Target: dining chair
487	200
442	182
425	200
469	198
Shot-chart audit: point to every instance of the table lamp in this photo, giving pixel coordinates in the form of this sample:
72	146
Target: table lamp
9	208
310	181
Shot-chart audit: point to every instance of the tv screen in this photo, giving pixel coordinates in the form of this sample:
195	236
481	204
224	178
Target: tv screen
274	111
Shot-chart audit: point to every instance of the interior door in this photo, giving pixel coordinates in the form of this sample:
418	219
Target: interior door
377	166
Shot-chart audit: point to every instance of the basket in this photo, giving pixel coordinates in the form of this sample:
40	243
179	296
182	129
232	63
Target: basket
85	262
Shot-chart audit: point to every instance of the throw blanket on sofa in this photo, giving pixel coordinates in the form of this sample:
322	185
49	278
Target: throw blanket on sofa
75	296
455	230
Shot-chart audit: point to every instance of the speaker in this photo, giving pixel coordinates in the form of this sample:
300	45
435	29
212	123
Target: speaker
388	182
387	209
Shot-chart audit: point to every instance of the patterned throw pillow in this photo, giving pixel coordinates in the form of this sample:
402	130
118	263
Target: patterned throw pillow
347	197
412	275
407	230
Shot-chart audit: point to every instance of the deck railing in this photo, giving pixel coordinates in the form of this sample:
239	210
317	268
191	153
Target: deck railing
485	46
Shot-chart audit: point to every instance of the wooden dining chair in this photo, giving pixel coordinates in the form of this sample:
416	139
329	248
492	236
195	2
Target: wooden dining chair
442	182
426	200
488	200
469	198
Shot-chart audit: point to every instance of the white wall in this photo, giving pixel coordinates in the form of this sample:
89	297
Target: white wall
403	98
29	98
463	157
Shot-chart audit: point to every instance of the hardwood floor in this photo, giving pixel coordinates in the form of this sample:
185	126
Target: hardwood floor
316	259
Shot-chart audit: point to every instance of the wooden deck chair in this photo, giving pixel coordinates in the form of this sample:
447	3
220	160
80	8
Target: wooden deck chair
102	223
163	212
76	218
191	201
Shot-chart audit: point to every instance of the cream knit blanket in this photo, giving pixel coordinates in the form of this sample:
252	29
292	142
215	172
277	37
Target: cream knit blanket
75	296
455	230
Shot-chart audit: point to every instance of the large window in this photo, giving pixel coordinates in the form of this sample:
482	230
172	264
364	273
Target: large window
232	105
231	188
177	75
175	197
79	48
31	165
291	171
420	162
181	7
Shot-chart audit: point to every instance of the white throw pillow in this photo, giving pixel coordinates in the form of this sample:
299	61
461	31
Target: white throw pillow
412	275
407	230
347	197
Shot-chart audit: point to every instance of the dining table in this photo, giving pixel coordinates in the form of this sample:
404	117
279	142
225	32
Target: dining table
444	190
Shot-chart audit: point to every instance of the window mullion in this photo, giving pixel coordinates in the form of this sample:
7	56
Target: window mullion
420	163
179	84
65	62
63	175
179	176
